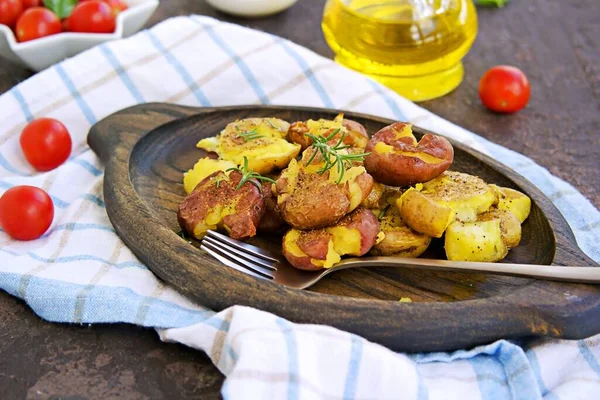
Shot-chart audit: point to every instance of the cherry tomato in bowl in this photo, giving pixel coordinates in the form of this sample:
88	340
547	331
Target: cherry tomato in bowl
46	143
37	22
26	212
504	89
10	10
31	3
92	16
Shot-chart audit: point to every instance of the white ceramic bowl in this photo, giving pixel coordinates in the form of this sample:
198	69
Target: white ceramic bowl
251	8
41	53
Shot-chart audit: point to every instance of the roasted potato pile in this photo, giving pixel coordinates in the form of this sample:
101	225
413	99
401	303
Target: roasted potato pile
335	193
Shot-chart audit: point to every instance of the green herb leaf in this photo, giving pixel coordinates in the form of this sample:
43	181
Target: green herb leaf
492	3
250	135
383	212
329	152
250	176
62	8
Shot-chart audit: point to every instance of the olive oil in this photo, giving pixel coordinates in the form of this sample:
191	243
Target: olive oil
414	47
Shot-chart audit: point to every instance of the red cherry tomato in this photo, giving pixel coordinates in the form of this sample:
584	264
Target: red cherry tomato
37	22
31	3
115	5
46	143
504	89
10	10
92	16
26	212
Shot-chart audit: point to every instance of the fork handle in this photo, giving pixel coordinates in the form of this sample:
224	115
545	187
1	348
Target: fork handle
547	272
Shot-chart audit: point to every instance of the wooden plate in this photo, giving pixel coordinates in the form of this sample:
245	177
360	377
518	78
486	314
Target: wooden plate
146	149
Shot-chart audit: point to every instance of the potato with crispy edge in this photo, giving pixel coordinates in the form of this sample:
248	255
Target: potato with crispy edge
308	199
203	168
430	207
354	235
215	203
272	221
375	196
397	159
514	201
398	239
260	140
355	135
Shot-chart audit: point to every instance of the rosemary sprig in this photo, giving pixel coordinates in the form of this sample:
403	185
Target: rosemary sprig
329	152
383	212
250	176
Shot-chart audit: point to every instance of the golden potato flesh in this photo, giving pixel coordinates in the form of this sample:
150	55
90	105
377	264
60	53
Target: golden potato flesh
510	226
398	238
261	140
475	241
308	199
514	201
203	168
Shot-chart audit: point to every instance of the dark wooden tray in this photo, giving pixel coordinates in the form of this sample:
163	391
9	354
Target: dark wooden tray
146	149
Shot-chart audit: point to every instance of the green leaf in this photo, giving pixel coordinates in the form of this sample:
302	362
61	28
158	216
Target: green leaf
62	8
492	3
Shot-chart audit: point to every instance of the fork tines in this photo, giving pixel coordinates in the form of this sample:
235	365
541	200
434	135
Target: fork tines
241	256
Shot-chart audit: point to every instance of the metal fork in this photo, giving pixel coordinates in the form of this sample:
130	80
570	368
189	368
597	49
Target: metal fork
269	265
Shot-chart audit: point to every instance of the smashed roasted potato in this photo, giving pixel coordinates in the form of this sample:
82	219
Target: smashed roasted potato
475	241
354	235
353	133
396	157
309	199
217	204
261	140
429	208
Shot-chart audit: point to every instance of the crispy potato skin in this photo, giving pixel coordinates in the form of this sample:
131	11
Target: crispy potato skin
238	211
400	160
313	250
271	222
374	197
510	226
308	200
399	240
355	135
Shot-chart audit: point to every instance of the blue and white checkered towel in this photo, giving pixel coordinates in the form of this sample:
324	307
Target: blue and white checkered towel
80	272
